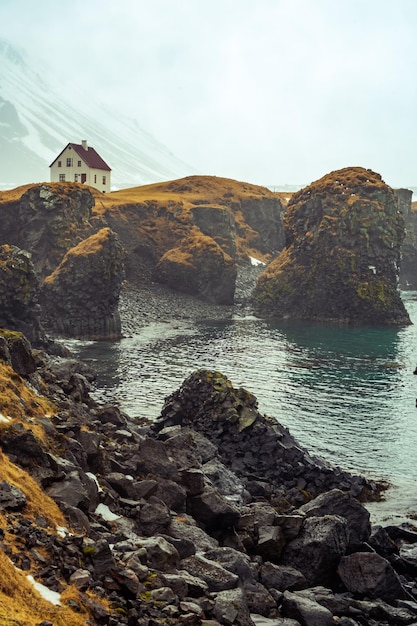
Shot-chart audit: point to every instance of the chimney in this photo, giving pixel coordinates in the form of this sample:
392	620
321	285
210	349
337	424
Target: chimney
84	144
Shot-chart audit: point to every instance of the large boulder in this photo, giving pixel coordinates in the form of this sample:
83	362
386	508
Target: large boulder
341	261
200	267
368	574
317	550
80	298
337	502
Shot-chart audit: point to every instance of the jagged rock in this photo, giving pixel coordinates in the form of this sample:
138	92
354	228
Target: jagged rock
81	578
54	218
216	576
19	294
368	574
11	497
218	223
234	561
185	527
101	557
18	352
80	297
337	502
200	267
231	608
259	600
248	443
224	480
77	490
270	542
306	611
152	460
23	447
317	550
160	554
154	516
212	509
342	256
281	577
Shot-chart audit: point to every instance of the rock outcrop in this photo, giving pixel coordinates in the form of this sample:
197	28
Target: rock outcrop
19	294
47	220
341	261
408	269
80	298
199	267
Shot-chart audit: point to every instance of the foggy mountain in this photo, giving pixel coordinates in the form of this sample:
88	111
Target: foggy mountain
36	124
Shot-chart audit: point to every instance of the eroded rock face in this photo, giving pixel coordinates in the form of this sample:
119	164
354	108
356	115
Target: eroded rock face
19	293
54	218
341	261
80	297
199	267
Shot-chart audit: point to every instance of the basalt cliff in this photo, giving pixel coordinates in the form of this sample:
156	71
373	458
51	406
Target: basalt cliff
342	255
189	234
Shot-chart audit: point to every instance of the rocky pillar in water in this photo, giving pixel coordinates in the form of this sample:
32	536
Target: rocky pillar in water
80	298
341	261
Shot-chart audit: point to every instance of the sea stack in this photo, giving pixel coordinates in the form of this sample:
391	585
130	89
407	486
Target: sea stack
341	260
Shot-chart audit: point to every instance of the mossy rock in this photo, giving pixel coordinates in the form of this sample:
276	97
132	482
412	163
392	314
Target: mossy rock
343	240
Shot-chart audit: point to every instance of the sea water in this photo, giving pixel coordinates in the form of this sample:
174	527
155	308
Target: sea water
347	393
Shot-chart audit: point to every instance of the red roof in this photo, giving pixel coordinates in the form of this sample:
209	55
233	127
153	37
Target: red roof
89	156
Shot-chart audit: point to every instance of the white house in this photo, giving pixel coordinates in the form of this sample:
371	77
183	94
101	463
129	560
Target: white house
81	164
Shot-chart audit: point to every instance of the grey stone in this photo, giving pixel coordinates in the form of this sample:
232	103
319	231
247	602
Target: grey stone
217	577
11	497
317	550
337	502
306	611
368	574
281	577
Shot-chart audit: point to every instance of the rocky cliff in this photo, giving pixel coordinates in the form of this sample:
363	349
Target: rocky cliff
155	220
19	294
408	270
341	261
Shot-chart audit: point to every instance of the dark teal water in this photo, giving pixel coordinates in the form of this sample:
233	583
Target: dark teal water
347	393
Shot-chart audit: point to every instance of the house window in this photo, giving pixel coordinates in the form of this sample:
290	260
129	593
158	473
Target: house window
95	178
69	162
59	163
62	178
104	180
76	178
79	163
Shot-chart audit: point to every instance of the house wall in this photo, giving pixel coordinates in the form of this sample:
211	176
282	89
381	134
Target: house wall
72	173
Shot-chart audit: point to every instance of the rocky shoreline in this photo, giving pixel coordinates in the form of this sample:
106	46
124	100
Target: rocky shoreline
212	515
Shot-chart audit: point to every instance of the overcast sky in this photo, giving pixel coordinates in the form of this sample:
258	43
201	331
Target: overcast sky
265	91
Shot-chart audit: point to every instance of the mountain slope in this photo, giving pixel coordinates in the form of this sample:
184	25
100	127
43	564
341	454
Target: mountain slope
36	124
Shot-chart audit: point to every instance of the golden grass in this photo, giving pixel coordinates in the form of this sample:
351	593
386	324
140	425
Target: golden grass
22	605
190	190
38	503
17	400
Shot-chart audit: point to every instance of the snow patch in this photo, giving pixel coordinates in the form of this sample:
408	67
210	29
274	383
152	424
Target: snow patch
47	594
104	512
5	419
94	477
256	262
